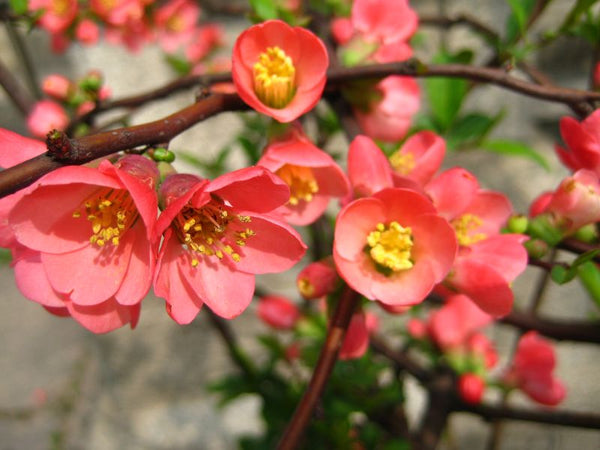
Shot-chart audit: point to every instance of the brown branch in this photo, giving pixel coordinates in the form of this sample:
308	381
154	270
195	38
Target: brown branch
401	359
550	416
583	331
65	151
329	352
17	94
460	19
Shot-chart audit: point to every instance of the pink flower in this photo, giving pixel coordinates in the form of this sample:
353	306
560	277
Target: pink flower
384	20
217	235
87	32
356	340
317	279
583	143
420	157
205	40
388	118
311	174
455	322
46	116
279	70
470	388
576	202
278	312
368	168
57	14
416	328
175	22
92	257
392	247
57	86
532	370
342	30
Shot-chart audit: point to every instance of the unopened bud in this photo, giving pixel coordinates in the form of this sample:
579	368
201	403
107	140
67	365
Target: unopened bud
536	248
470	388
517	224
587	233
317	279
278	312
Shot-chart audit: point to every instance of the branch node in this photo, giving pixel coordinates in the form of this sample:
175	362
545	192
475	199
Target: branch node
59	146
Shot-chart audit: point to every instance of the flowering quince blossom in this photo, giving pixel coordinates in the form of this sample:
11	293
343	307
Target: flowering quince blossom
87	32
575	203
217	235
278	312
471	387
384	20
91	258
419	158
279	70
57	14
486	262
311	174
389	115
175	22
583	143
57	86
317	279
356	340
532	370
46	116
393	247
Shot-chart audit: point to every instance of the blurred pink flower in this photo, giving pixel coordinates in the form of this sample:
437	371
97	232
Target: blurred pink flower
583	143
217	235
278	312
470	388
384	20
57	86
175	23
279	70
57	15
87	32
46	116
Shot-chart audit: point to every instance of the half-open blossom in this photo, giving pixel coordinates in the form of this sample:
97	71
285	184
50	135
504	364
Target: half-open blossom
312	175
278	312
94	251
388	116
317	279
420	157
279	70
384	20
57	15
583	143
532	370
393	247
46	116
217	235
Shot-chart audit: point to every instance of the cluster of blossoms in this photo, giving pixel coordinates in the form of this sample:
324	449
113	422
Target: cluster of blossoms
66	98
174	25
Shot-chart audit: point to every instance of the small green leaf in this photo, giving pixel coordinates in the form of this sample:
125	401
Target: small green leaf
19	6
471	129
515	148
589	275
264	9
562	274
179	65
516	24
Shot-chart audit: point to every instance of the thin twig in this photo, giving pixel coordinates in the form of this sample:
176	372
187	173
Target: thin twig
17	94
329	352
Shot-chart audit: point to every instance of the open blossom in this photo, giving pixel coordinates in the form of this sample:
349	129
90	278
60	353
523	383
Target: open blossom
384	20
278	312
420	157
532	370
175	23
389	115
393	247
217	235
311	174
583	143
279	70
46	116
92	257
57	15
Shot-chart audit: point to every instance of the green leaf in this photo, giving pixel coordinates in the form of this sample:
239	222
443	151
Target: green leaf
516	24
562	274
19	6
589	275
179	65
471	129
446	95
264	9
580	7
515	148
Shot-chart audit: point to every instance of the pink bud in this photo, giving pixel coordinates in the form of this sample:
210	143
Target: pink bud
416	328
87	32
278	312
317	279
342	30
45	116
57	86
470	388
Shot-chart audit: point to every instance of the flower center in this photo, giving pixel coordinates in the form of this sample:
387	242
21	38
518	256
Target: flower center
390	247
111	212
305	287
403	163
301	181
208	231
60	7
464	226
274	78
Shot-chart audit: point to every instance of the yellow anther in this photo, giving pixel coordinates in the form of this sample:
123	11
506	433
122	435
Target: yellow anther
305	287
403	163
274	78
195	262
235	257
465	227
76	214
390	246
301	181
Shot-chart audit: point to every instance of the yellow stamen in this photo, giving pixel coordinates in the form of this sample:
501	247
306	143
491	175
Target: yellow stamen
301	181
274	78
206	231
464	226
390	246
111	213
305	287
403	163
